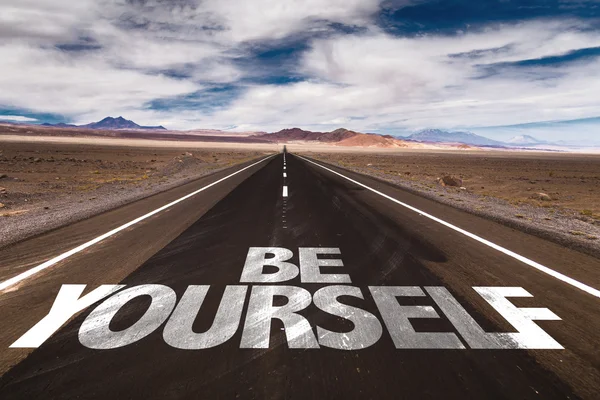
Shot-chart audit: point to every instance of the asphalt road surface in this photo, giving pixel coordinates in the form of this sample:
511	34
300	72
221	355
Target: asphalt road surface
285	279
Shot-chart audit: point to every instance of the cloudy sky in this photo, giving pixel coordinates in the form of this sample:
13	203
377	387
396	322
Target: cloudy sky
497	67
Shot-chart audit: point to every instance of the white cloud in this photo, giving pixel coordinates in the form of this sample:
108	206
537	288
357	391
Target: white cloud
16	118
133	42
419	82
47	80
265	19
45	21
366	81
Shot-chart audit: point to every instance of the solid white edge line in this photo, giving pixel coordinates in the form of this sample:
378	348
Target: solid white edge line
531	263
16	279
285	191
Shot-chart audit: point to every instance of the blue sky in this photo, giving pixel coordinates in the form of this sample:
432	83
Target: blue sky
496	67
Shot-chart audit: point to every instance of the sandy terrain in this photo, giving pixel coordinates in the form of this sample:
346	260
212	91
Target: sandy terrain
350	147
328	141
46	184
196	143
555	195
14	130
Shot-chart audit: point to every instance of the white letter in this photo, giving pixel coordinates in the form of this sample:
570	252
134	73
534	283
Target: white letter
396	318
309	266
367	328
257	329
66	304
530	336
178	331
95	332
255	261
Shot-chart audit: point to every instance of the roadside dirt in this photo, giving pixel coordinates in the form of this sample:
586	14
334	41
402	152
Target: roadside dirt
46	185
556	196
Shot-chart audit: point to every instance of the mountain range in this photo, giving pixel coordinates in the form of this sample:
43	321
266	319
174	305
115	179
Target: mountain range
434	137
442	136
300	134
339	137
108	123
346	137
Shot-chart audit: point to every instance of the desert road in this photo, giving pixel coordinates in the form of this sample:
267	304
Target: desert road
289	278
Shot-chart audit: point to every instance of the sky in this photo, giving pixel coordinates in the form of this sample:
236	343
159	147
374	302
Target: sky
494	67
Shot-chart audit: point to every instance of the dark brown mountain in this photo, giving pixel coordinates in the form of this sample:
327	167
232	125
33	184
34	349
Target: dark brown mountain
338	135
292	134
285	135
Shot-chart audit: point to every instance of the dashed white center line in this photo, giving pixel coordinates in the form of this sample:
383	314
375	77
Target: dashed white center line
284	194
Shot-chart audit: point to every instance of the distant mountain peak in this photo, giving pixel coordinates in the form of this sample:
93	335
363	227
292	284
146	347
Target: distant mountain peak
524	139
113	123
285	135
441	136
109	123
469	138
340	130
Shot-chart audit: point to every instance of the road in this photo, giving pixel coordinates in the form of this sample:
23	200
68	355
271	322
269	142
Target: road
371	292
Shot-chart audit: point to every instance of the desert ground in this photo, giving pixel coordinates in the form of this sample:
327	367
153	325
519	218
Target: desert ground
556	195
47	183
51	180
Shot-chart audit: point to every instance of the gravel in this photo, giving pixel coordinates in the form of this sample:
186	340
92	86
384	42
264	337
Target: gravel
566	227
48	214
